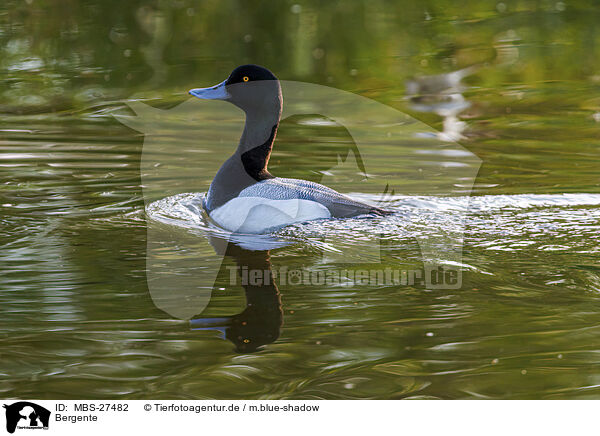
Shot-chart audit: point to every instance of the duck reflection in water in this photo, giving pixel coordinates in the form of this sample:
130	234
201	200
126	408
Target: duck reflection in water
441	94
261	321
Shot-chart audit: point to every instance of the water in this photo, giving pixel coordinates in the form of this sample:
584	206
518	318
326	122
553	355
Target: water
87	203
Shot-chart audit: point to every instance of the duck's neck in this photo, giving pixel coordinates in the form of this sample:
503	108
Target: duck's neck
256	143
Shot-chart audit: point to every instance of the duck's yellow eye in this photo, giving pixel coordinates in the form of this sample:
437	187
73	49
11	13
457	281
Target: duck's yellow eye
245	78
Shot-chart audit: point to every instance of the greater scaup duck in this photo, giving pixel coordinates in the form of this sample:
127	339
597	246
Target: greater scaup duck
244	196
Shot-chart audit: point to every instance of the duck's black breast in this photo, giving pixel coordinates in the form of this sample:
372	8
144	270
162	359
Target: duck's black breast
239	172
255	160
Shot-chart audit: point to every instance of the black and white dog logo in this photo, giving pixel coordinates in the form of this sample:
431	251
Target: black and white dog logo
26	415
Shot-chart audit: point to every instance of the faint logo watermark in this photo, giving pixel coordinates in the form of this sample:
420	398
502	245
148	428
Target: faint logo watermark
388	153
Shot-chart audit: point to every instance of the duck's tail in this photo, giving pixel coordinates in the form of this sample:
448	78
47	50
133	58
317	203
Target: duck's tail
381	212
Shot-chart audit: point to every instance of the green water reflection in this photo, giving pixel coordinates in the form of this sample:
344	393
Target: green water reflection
76	316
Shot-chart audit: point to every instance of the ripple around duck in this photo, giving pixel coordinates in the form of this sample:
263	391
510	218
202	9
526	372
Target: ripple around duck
496	222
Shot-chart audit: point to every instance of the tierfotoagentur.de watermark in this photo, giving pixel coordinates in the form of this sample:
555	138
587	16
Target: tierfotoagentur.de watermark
285	276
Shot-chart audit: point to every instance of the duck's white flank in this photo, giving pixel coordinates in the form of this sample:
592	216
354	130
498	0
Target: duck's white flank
259	215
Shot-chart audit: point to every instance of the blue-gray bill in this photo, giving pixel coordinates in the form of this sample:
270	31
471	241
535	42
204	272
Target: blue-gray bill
217	92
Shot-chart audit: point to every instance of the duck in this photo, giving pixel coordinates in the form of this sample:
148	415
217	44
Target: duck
244	197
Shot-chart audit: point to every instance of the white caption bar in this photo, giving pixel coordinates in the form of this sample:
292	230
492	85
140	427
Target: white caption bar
166	417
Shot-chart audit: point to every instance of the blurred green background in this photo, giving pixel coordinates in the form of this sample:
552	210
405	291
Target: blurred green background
59	55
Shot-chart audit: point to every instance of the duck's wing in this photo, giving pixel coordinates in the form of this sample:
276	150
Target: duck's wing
339	205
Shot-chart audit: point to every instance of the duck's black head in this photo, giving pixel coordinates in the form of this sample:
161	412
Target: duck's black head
252	88
249	73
